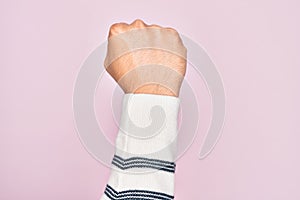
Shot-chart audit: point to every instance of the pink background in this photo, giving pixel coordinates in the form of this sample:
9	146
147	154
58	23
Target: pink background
255	45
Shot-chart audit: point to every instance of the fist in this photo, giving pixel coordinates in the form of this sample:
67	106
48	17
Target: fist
145	58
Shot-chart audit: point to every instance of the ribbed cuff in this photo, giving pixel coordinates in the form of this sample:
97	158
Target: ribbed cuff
148	126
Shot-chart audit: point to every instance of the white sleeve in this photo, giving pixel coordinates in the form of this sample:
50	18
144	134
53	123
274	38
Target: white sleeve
143	166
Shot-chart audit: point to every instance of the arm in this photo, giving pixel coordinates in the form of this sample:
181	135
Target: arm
149	64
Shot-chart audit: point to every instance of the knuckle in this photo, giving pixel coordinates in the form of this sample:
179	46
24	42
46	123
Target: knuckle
117	28
138	23
172	30
154	26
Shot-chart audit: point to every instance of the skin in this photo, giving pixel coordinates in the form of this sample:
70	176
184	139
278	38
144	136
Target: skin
130	61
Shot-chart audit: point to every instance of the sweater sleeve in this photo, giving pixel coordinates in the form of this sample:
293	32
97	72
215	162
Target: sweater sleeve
143	166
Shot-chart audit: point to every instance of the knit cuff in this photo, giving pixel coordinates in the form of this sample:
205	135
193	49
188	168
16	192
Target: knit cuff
148	126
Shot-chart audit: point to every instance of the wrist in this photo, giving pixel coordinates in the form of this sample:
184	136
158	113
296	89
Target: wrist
155	88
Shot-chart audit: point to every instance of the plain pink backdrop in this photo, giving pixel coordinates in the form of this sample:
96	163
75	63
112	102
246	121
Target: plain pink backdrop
255	45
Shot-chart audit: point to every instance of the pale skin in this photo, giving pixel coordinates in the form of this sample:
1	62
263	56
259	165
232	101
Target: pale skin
119	67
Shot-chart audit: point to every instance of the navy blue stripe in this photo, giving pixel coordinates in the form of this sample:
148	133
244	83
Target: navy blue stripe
138	191
135	194
141	165
137	197
143	158
141	162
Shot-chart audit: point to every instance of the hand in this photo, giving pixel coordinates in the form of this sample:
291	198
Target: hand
145	58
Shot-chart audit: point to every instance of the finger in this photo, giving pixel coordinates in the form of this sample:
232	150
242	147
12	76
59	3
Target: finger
154	26
138	23
118	28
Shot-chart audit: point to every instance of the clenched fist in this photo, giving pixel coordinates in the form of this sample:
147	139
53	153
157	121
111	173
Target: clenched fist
145	58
